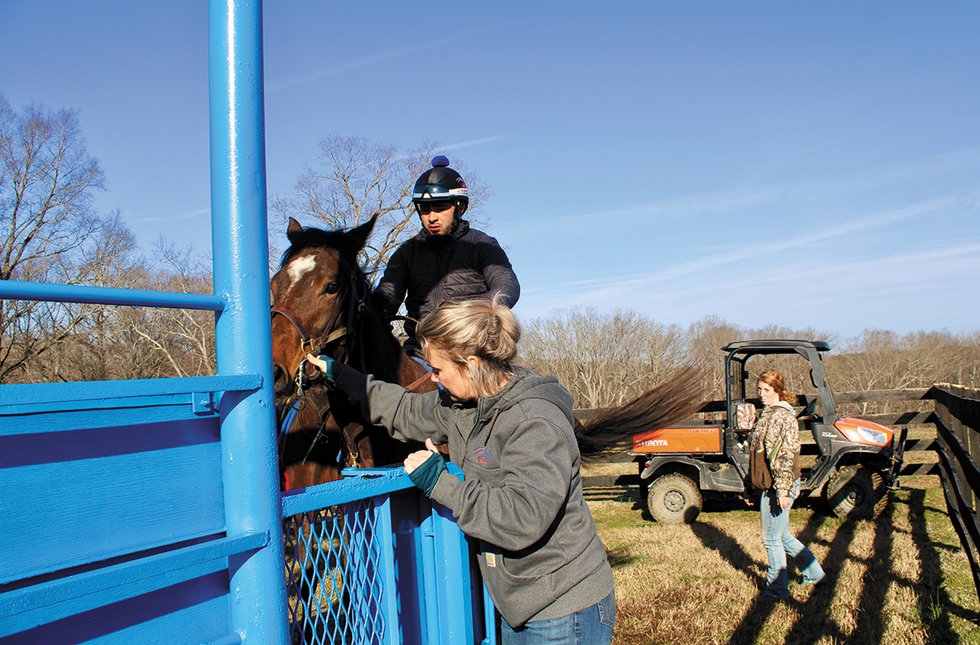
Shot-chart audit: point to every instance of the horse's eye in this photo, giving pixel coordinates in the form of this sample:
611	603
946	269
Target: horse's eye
331	287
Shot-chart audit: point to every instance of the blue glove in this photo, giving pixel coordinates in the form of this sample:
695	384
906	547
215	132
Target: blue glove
329	369
426	475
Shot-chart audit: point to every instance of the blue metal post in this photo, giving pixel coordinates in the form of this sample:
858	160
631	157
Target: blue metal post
244	346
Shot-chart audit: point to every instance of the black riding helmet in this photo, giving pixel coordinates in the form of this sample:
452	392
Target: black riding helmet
441	183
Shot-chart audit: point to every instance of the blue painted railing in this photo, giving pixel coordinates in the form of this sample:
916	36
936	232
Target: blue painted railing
150	511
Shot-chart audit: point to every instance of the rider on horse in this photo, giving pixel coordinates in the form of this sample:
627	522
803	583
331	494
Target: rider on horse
447	260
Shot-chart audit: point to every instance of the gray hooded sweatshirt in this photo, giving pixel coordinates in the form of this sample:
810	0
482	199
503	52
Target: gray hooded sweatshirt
521	498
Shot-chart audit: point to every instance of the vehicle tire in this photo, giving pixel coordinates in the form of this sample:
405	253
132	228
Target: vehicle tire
855	492
673	499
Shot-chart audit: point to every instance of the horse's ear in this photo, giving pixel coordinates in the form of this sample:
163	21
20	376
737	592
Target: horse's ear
358	236
294	229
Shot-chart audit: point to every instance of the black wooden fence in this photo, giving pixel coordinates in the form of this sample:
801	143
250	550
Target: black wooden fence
957	419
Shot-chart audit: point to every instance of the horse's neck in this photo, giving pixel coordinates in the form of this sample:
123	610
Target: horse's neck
375	350
386	360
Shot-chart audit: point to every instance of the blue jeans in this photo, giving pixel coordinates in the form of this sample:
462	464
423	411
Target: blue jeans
590	626
779	542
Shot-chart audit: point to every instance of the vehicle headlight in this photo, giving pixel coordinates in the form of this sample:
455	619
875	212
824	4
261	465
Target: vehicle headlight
873	436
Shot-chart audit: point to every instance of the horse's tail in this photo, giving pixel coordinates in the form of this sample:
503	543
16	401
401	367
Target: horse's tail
612	429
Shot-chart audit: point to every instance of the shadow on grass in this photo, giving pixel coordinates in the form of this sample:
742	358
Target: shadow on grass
728	548
612	494
870	626
933	600
815	622
815	612
620	558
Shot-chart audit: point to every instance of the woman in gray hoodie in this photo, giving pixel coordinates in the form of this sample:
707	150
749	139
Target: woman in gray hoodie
512	433
777	438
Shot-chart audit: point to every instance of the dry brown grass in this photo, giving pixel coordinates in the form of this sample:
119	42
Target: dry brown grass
900	579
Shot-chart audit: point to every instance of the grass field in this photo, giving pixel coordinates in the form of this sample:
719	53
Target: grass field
902	578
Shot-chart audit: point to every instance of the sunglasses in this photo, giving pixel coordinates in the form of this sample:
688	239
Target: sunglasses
428	207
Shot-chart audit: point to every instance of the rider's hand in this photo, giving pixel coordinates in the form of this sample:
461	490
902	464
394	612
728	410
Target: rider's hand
785	501
323	363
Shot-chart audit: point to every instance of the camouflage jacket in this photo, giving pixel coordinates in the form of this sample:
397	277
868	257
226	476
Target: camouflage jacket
779	431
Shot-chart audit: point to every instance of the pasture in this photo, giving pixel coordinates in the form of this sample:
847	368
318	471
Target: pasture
902	578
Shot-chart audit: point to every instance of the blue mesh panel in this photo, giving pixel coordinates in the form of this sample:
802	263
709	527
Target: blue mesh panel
333	558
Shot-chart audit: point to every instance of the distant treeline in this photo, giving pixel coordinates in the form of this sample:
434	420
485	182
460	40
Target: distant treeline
52	233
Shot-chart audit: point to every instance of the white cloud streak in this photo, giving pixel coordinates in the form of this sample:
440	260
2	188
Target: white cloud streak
365	61
619	287
197	212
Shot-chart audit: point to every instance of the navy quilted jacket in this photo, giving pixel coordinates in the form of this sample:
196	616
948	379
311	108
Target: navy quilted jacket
428	270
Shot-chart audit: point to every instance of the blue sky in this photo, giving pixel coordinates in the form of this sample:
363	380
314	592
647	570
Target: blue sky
800	164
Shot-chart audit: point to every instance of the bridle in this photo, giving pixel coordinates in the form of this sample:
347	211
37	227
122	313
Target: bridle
303	379
333	331
340	328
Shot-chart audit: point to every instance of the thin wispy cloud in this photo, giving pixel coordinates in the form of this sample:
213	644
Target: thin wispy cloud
198	212
728	201
365	61
956	161
930	282
473	142
684	206
611	289
895	270
440	148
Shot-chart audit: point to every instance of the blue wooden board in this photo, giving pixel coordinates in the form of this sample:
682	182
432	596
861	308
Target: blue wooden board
67	513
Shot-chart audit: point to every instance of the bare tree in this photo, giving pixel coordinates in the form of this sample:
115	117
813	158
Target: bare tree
705	339
355	179
47	179
880	359
603	359
181	339
108	259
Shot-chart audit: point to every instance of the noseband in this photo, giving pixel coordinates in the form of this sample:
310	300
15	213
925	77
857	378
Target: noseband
305	340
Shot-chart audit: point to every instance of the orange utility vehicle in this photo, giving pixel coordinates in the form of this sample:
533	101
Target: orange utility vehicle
856	460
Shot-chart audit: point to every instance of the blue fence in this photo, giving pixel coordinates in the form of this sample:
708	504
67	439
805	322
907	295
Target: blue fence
370	560
150	511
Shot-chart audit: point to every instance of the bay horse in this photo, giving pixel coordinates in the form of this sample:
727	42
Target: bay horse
322	303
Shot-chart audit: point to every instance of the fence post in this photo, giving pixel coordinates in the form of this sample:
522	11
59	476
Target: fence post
243	331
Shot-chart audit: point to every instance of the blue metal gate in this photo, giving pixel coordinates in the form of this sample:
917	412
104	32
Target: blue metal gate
149	511
370	560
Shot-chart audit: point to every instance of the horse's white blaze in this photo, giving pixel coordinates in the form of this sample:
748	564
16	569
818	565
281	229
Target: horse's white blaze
300	267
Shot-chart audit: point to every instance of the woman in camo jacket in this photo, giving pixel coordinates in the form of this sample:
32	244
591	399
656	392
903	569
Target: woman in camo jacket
778	434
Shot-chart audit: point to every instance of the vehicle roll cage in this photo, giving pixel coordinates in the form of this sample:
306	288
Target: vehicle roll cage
738	354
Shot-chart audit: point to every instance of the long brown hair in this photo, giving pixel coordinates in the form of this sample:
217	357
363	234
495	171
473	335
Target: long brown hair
775	380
